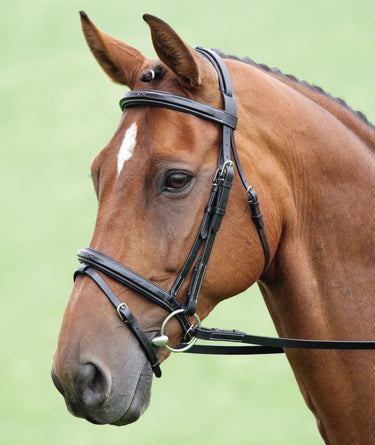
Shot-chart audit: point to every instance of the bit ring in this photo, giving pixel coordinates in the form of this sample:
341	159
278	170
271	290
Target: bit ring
191	342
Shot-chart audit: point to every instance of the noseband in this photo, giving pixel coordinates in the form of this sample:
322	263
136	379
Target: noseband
94	261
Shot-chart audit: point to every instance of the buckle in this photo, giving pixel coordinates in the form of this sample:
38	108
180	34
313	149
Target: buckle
124	313
221	171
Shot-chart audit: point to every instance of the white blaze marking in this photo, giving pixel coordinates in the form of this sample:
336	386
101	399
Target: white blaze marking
127	147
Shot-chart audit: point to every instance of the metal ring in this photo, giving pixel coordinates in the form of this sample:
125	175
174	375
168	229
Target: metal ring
192	341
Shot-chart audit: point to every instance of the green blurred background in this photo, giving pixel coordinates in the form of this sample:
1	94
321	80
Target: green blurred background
57	110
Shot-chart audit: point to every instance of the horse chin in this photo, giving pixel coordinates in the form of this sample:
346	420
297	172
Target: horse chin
140	401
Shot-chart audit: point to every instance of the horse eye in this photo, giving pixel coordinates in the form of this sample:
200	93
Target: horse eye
177	181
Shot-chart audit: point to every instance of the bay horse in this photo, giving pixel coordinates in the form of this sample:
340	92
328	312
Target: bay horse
307	240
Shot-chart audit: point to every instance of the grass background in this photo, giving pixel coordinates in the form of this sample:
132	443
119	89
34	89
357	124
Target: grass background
57	110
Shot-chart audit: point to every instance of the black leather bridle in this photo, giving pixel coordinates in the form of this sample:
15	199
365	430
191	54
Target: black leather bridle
94	261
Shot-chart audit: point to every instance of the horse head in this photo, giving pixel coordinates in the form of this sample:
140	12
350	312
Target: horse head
152	181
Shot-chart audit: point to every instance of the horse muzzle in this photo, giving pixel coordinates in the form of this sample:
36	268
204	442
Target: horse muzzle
100	396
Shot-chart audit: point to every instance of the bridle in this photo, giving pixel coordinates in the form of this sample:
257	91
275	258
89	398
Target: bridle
94	261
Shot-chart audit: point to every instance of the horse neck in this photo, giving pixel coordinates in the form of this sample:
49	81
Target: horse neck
354	121
316	158
312	163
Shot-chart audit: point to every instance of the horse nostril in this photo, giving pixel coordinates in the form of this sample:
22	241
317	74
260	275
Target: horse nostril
92	385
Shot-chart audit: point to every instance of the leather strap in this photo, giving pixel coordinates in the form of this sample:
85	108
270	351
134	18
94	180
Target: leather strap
225	84
119	272
217	212
178	103
256	216
126	276
270	344
252	199
126	316
230	105
233	350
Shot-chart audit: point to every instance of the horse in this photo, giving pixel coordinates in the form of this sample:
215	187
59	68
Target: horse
307	241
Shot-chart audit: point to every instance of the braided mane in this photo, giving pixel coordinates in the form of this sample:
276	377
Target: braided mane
276	71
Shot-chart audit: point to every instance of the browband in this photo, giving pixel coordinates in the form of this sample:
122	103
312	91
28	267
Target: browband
178	103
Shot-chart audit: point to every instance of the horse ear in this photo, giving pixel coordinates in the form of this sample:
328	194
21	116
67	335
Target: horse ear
120	61
175	53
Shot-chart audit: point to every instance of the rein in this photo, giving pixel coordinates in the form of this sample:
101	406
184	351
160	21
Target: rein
94	261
